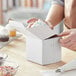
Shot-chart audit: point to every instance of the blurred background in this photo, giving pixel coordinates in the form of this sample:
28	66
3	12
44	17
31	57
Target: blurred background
21	10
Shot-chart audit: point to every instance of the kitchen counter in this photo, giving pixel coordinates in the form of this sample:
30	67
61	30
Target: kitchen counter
16	51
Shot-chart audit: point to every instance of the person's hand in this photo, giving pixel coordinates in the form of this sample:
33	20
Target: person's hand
69	41
31	22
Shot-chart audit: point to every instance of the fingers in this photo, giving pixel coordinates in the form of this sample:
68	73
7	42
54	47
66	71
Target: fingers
70	45
69	41
31	22
65	33
67	44
66	39
73	47
29	26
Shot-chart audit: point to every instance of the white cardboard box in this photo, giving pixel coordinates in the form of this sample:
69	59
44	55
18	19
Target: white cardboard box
38	49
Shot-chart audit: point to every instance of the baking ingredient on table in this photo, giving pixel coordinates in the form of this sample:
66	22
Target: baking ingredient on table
4	35
12	33
4	38
7	71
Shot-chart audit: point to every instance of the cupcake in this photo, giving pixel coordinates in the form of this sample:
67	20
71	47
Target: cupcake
4	35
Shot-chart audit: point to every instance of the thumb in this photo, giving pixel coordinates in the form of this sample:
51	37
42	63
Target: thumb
65	33
52	27
49	24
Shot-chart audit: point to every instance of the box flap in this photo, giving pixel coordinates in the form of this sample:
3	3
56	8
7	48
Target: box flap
42	32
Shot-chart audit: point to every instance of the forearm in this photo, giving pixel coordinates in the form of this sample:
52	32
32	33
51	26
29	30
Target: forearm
55	15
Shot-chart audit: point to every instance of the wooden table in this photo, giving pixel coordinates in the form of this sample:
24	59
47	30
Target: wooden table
17	53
